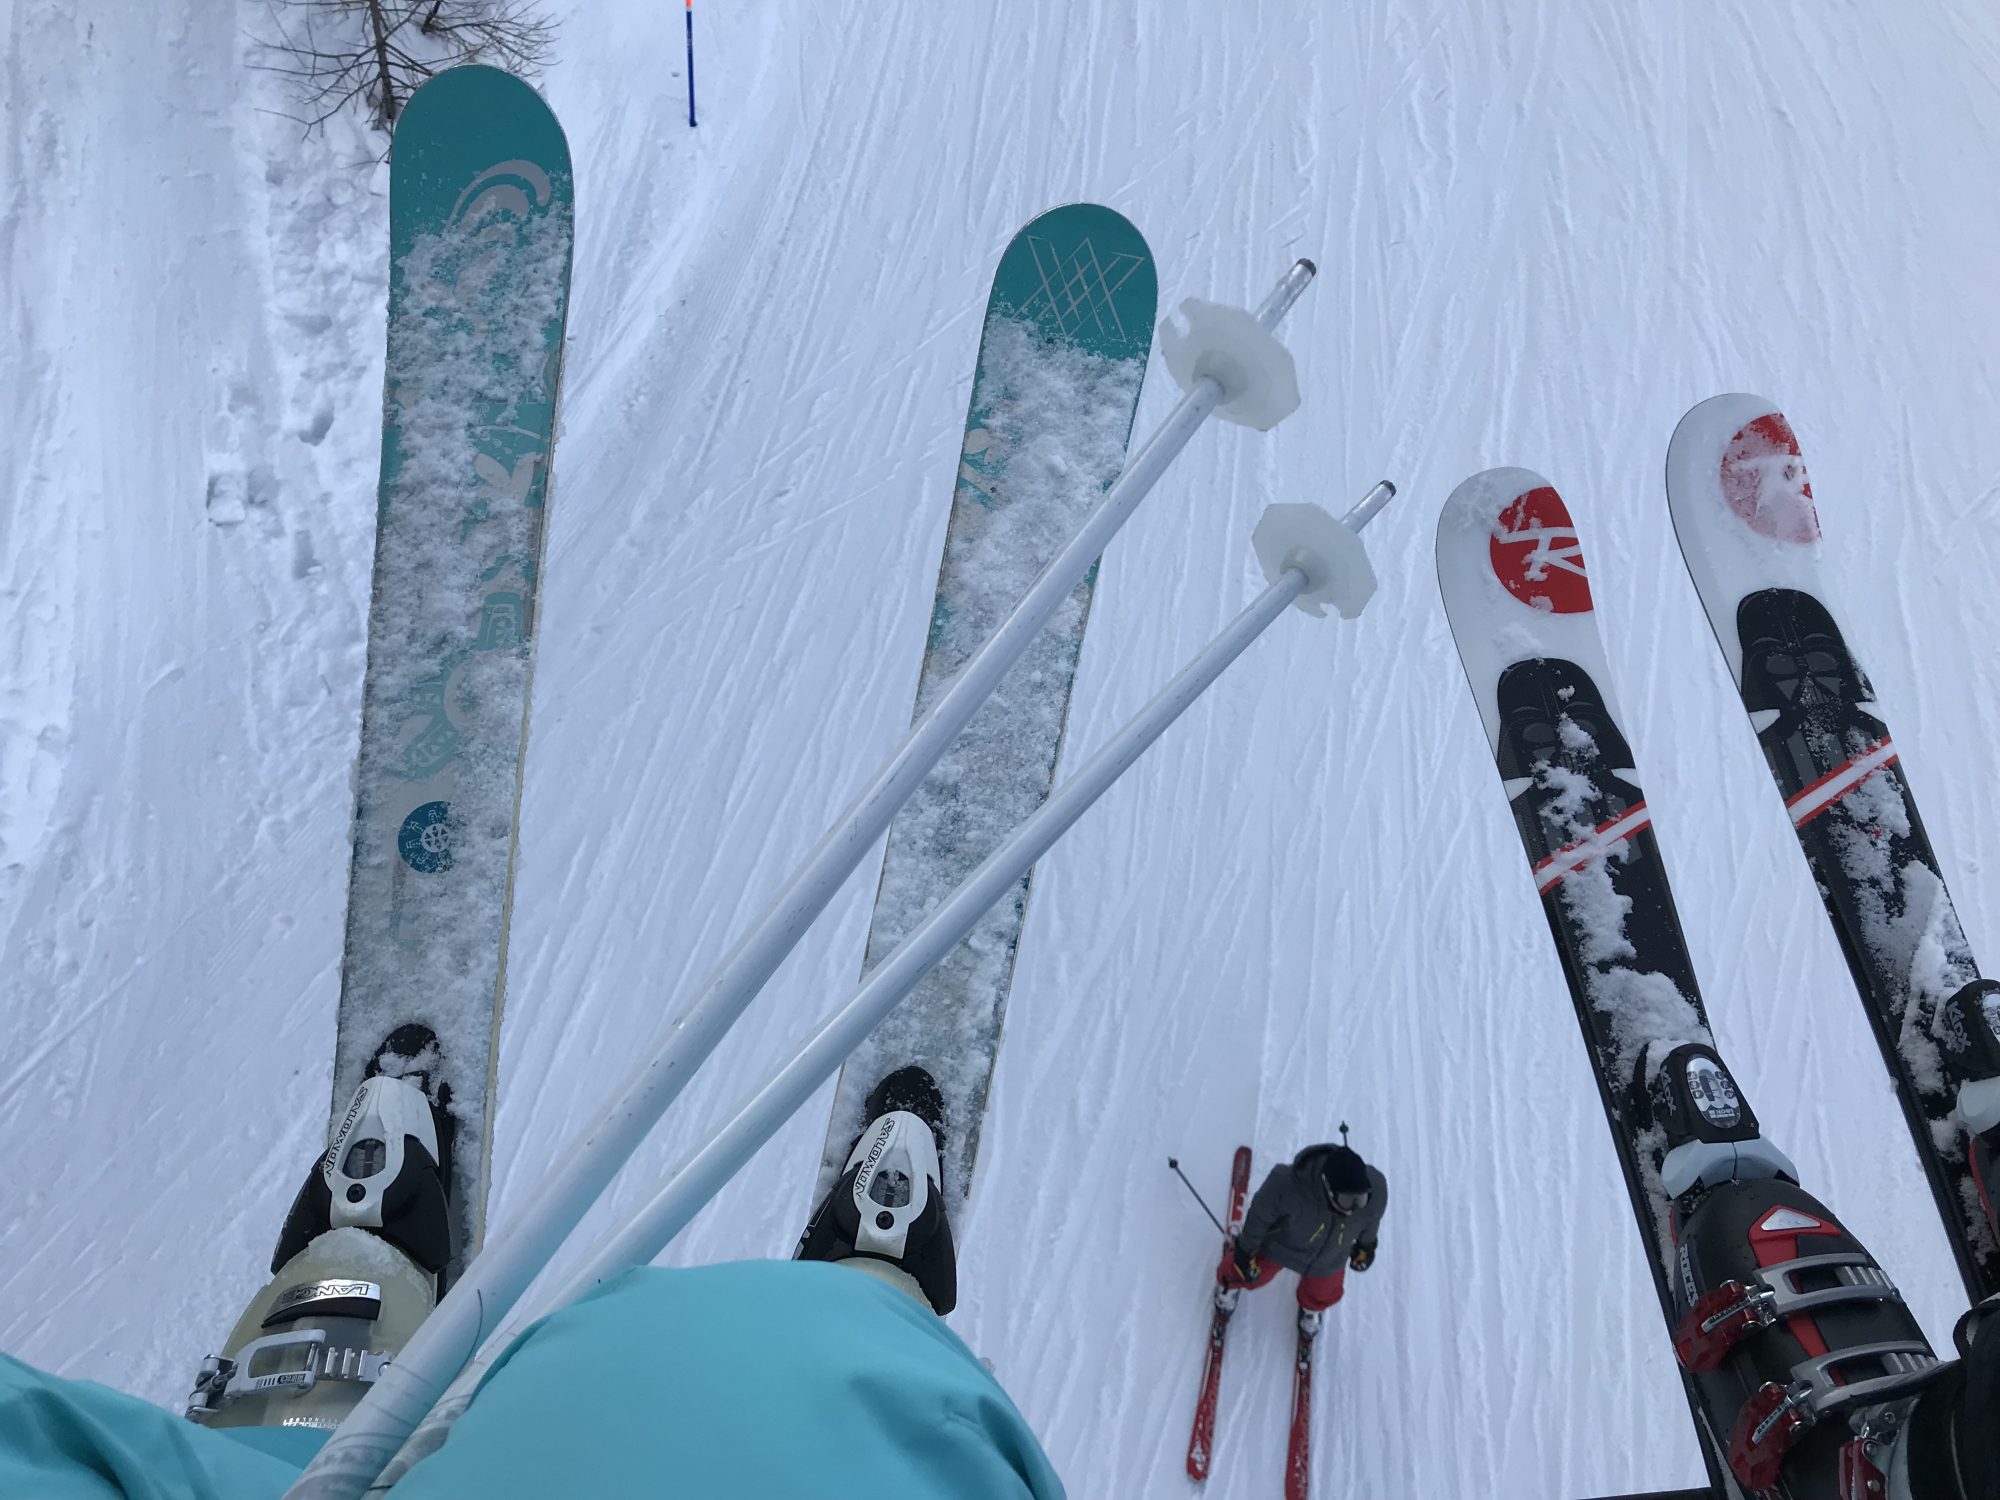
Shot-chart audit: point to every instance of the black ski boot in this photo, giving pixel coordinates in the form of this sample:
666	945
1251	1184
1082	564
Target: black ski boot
1949	1447
886	1214
359	1261
1796	1338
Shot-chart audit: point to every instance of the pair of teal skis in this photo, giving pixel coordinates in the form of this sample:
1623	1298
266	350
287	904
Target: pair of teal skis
480	245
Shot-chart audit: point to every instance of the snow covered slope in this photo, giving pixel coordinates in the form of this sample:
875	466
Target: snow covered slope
1544	231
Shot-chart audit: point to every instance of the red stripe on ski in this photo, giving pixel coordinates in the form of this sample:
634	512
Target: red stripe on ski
1601	841
1201	1441
1298	1454
1837	783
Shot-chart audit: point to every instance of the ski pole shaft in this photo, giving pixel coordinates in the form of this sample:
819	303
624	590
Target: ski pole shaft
489	1286
702	1174
690	36
1198	1197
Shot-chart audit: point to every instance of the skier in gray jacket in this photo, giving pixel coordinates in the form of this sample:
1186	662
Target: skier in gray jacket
1318	1216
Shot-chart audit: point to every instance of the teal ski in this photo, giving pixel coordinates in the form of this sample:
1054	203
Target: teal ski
480	231
1069	328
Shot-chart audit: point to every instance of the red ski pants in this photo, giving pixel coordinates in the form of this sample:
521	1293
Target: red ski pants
1316	1293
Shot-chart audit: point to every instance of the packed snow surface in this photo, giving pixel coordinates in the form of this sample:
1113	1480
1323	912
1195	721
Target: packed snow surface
1544	232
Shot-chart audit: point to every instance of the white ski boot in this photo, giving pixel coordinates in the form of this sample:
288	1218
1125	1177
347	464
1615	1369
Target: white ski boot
358	1263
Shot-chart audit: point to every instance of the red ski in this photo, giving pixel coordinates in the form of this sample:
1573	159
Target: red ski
1202	1441
1298	1456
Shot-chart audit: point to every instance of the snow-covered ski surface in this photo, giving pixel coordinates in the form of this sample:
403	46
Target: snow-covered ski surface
1062	355
481	245
1544	232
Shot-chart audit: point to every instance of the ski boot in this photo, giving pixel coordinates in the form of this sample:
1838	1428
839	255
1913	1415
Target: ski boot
1791	1331
1797	1340
359	1262
1946	1445
886	1214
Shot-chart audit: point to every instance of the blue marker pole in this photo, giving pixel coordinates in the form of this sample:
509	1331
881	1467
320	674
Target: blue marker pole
690	21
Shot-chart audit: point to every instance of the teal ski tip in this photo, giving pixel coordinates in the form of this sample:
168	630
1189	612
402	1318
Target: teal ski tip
1083	275
446	140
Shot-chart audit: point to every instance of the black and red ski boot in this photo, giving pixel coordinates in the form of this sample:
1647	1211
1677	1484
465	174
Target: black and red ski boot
1794	1335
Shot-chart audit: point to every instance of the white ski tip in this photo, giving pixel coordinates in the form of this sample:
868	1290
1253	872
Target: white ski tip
1472	513
1710	424
1734	460
1260	385
1507	533
1333	558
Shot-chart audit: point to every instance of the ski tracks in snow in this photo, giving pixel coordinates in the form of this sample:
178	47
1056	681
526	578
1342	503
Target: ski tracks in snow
174	735
1543	232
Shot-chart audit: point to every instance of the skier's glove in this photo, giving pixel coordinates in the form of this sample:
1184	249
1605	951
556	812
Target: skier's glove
1237	1269
1361	1257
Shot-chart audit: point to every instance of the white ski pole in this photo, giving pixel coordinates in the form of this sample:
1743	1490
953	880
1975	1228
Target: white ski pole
1311	560
1229	362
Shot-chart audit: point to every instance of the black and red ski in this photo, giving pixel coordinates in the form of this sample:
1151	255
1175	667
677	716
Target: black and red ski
1744	514
1791	1339
1201	1442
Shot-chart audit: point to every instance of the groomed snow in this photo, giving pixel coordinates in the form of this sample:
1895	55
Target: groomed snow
1544	231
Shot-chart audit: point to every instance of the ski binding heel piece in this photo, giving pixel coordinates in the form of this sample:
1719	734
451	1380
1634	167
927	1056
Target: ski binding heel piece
894	1185
1260	386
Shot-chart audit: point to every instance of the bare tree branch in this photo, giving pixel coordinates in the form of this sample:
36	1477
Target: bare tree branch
374	54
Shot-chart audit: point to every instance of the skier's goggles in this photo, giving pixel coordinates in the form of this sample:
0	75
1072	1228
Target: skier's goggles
1348	1203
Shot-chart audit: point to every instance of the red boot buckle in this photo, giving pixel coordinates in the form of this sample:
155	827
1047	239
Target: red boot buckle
1717	1322
1765	1430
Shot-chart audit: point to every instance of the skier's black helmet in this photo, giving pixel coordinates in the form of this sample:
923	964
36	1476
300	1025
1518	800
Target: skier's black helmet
1342	1171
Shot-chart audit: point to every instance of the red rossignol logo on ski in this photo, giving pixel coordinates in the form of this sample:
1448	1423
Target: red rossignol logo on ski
1536	555
1764	480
